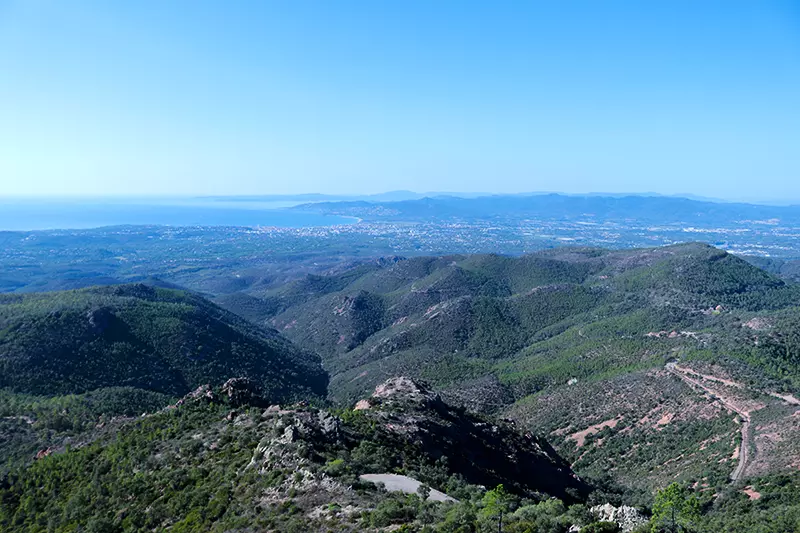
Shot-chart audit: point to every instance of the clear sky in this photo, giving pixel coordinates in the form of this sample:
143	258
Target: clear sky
236	97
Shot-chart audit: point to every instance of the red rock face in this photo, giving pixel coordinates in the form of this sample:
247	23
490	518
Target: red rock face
44	452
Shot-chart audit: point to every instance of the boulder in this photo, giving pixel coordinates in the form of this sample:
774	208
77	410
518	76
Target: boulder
628	518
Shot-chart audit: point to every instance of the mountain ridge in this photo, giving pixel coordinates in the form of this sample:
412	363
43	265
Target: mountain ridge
517	336
646	209
157	339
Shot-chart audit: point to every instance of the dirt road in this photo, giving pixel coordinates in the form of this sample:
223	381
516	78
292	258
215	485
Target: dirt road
409	485
744	449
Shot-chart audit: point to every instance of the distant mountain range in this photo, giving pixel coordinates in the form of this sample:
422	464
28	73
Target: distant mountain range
402	195
390	196
646	209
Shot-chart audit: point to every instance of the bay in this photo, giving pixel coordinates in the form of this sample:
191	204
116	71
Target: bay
33	214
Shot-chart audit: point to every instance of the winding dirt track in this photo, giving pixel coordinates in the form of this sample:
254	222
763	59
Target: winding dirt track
744	448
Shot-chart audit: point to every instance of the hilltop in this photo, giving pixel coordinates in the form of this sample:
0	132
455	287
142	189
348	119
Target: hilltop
76	364
150	338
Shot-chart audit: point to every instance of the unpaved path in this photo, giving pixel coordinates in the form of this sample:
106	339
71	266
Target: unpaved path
788	398
409	485
707	377
744	449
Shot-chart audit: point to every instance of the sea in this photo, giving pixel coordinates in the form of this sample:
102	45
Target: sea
28	214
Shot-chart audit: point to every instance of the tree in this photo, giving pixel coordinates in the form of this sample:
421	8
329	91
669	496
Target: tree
496	503
676	509
423	491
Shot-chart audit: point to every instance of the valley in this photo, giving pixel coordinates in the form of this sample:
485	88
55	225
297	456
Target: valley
611	374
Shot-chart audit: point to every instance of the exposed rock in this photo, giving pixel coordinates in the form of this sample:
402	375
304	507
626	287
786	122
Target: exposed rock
201	393
100	318
405	414
362	405
400	385
273	410
404	390
758	323
328	424
291	444
43	453
331	511
243	420
628	518
486	454
240	391
291	432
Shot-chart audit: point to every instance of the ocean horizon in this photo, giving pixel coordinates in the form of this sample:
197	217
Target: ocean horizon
27	214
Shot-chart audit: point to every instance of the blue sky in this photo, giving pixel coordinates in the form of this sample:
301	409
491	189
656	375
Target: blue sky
236	97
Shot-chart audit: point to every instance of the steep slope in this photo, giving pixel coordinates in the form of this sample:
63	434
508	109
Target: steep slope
484	452
785	268
145	337
200	466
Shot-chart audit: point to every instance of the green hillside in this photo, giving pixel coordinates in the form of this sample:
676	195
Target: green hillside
523	335
509	315
209	466
633	369
140	336
202	467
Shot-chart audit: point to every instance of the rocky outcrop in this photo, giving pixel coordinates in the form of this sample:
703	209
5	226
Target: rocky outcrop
202	393
293	433
485	453
362	405
402	390
627	518
294	441
241	391
406	416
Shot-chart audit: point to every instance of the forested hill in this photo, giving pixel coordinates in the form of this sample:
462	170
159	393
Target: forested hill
523	320
570	342
201	467
156	339
632	369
